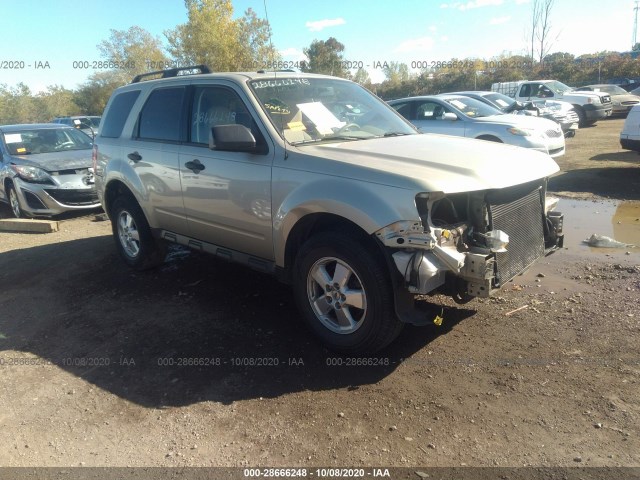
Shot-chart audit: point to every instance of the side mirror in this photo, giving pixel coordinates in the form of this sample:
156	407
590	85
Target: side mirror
449	116
232	138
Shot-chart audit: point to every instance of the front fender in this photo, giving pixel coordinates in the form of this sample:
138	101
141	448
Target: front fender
370	206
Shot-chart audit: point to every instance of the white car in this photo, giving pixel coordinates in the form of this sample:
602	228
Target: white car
462	116
630	135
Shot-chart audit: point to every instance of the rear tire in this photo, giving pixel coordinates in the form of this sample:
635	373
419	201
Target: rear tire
132	235
345	294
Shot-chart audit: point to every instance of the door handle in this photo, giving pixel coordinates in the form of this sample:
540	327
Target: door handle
195	166
134	156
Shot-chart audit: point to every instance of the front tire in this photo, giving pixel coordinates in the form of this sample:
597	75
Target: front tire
344	294
582	117
132	235
14	202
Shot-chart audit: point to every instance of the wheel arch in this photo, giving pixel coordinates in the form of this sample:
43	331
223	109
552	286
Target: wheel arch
319	222
489	138
114	189
330	204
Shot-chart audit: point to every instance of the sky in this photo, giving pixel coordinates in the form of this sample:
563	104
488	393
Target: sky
51	41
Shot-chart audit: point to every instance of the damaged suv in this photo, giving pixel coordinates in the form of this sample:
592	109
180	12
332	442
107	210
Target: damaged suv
315	180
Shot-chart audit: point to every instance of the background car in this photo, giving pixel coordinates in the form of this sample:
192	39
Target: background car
555	110
462	116
88	124
630	135
621	100
44	169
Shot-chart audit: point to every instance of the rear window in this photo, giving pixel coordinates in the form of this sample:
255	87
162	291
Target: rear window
118	113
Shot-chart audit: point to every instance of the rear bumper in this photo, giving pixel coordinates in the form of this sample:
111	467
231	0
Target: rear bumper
629	144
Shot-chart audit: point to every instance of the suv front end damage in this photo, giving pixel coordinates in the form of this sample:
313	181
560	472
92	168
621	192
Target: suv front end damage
470	244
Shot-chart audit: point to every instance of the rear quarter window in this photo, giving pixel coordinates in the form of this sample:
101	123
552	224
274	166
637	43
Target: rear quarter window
114	120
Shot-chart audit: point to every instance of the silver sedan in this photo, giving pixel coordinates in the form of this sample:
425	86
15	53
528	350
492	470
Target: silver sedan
45	170
467	117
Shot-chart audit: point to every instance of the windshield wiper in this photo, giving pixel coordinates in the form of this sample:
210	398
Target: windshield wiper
336	137
394	134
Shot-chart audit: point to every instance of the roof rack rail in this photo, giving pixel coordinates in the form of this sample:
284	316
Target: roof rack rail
171	72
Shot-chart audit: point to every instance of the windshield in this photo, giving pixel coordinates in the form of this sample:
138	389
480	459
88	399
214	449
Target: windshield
30	142
558	87
306	110
502	101
95	121
472	108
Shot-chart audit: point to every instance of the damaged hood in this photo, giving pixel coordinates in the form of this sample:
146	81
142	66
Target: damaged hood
56	161
426	162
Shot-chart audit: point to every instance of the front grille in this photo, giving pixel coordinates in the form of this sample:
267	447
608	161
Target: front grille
74	197
522	221
605	99
553	133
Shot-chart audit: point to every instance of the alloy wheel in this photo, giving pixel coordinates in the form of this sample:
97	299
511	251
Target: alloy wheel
336	295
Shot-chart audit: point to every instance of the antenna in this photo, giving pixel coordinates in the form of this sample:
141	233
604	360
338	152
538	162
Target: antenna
275	74
635	26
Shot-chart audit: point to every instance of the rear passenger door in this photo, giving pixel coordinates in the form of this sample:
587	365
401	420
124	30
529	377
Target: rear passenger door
227	195
153	153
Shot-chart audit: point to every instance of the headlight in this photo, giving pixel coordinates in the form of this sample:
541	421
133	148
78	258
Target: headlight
32	174
523	132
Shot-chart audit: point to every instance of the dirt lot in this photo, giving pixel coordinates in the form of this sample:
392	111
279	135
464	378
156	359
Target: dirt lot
95	369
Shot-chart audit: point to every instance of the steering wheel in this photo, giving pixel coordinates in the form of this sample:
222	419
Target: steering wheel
64	145
348	127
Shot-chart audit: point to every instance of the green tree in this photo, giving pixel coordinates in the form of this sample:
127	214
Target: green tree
132	52
211	36
254	43
362	77
19	105
396	72
57	101
92	96
326	57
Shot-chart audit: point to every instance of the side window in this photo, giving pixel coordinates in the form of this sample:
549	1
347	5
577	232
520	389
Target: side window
404	109
429	111
525	91
217	106
160	117
544	92
114	121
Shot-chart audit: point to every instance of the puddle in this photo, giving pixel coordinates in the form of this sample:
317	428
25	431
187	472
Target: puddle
615	219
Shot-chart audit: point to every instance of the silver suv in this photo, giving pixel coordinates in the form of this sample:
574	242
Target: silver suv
317	181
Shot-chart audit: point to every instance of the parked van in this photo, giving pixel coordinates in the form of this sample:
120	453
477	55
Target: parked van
630	135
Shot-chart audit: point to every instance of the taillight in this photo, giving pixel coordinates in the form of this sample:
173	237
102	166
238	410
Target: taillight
94	157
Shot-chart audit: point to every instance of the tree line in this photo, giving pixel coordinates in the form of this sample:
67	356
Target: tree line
213	37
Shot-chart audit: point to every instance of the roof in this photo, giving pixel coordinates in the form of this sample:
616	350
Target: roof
474	92
32	126
240	77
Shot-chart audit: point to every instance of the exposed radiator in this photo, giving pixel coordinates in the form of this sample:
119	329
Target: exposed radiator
522	221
